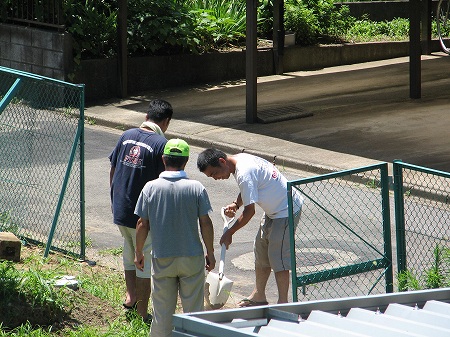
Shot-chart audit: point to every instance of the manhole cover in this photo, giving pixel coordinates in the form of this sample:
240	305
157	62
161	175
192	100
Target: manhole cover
304	259
282	113
313	259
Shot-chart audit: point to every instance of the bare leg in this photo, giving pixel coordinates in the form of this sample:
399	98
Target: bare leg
143	289
259	292
282	279
130	283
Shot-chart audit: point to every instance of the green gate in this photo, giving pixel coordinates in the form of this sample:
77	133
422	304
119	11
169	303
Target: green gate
342	245
422	217
42	161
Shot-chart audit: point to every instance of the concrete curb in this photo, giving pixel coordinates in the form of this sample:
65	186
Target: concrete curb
230	148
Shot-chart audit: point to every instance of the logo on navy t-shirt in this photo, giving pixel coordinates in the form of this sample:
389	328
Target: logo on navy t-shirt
132	159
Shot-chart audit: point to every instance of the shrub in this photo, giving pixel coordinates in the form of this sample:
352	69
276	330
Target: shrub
217	22
92	24
301	20
313	20
366	30
159	27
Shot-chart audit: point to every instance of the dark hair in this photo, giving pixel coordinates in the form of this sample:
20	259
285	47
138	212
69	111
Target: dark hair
209	157
176	162
158	110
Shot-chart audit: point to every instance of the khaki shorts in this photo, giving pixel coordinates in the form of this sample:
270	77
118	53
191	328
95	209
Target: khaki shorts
272	243
129	247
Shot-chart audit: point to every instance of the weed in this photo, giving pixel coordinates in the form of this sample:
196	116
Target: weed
6	223
90	120
437	276
112	251
372	183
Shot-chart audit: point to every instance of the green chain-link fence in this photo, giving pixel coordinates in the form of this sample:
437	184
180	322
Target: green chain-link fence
41	160
342	245
422	213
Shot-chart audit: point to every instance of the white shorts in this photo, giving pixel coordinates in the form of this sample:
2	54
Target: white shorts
129	247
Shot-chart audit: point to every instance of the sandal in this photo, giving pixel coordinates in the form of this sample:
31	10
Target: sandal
130	307
245	302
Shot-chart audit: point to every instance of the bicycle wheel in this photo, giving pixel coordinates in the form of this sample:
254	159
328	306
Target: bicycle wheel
443	24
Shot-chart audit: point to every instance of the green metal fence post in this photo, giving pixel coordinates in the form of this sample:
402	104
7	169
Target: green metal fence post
399	216
292	242
63	191
386	226
82	176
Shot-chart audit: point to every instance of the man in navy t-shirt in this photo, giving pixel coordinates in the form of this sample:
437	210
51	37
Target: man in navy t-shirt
137	159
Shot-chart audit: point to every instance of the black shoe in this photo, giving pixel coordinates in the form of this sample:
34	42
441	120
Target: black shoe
148	320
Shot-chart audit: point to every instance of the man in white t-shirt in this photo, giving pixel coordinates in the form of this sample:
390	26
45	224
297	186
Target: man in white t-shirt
260	182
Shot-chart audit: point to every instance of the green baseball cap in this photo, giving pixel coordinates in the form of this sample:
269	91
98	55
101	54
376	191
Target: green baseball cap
176	147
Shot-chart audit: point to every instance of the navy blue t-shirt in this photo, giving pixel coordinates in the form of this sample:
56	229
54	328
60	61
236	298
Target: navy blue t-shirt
137	159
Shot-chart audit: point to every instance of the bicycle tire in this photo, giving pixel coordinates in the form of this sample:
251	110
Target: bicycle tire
443	24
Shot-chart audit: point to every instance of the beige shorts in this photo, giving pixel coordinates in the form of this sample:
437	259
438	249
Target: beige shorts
129	247
272	243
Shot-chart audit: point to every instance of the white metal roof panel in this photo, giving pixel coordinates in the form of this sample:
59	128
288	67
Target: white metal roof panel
438	307
407	314
361	326
418	315
398	323
310	328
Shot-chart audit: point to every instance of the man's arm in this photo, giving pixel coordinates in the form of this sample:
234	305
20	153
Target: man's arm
207	231
244	218
142	228
111	175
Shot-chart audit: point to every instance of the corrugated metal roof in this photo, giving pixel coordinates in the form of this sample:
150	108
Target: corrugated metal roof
421	313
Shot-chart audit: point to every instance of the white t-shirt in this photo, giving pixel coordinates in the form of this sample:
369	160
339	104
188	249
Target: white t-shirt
261	182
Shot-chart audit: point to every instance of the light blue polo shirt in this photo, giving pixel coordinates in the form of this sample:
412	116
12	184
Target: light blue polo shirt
173	203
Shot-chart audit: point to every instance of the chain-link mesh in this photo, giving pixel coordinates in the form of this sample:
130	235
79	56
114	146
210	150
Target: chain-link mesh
423	226
41	184
340	245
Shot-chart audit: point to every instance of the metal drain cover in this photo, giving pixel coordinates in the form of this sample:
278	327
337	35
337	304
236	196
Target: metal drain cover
282	113
314	259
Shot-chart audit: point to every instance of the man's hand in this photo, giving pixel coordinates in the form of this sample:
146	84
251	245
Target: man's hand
230	210
227	238
210	262
142	227
139	260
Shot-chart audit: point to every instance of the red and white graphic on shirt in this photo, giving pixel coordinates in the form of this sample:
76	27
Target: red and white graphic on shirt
132	159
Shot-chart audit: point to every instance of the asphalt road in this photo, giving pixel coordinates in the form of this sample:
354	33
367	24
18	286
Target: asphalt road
103	235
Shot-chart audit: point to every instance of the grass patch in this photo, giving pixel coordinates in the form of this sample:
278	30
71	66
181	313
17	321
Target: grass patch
33	306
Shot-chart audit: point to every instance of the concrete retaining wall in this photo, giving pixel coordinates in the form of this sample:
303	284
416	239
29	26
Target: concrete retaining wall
146	73
36	51
308	58
156	72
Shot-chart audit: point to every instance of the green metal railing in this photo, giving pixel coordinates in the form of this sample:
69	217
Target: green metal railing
422	213
42	161
342	245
